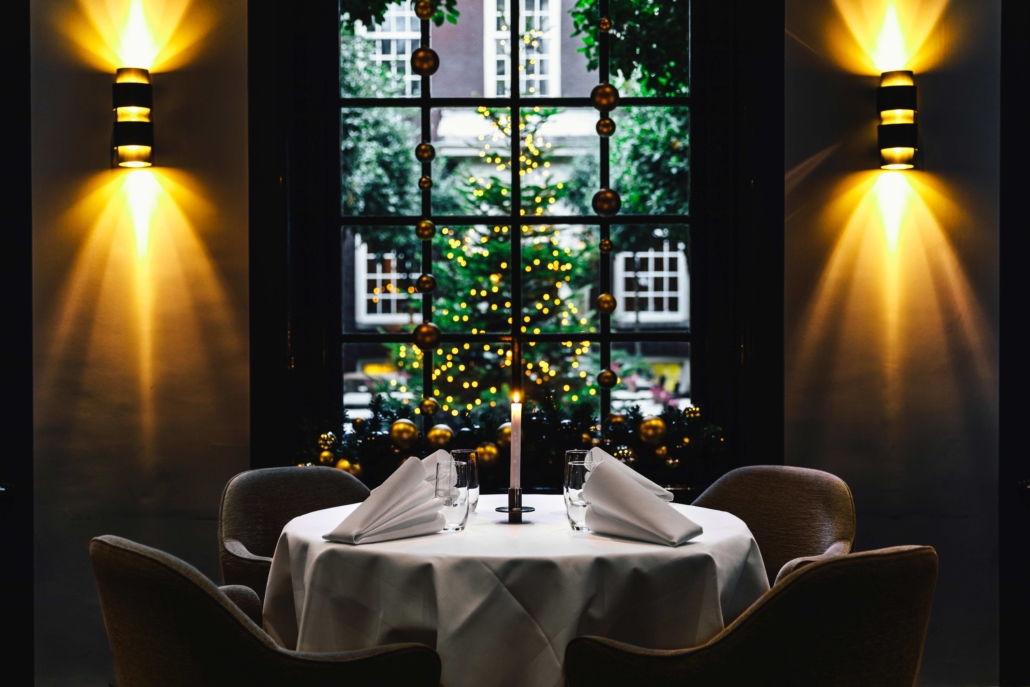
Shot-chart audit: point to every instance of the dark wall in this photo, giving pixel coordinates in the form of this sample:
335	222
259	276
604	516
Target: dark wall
892	299
139	307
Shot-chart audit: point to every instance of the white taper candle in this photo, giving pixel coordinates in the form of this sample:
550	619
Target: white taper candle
516	443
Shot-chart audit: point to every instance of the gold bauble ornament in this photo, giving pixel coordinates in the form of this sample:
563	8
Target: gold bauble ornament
424	9
652	430
355	469
327	441
427	335
439	436
425	183
607	246
606	202
504	435
343	464
429	406
605	24
606	303
404	433
661	451
425	62
605	127
486	453
626	455
672	463
424	152
426	283
425	230
604	97
326	457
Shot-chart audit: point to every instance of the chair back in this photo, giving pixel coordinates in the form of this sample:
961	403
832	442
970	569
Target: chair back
170	625
792	512
257	504
854	620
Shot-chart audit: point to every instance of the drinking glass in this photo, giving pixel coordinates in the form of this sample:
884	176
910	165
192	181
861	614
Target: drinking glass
577	455
467	455
576	474
452	486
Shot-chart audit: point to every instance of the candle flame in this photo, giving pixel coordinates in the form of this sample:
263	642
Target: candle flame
516	397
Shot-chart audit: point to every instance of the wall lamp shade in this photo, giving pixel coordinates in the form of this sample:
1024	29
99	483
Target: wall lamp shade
132	142
898	133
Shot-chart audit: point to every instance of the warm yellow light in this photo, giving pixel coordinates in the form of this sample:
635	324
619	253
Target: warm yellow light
890	52
134	156
897	77
887	35
133	114
898	117
897	158
515	397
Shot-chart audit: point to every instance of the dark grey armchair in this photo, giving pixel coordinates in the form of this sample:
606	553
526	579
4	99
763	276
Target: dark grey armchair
847	621
171	626
797	515
257	504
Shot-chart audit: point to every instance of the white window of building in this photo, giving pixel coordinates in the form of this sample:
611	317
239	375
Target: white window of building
539	54
396	37
383	294
652	287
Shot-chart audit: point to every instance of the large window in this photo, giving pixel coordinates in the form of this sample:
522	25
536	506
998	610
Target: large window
523	264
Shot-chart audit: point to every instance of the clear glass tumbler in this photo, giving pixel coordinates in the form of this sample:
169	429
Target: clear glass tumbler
467	455
452	486
576	474
577	455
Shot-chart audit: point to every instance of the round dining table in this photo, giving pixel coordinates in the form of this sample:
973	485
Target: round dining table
500	602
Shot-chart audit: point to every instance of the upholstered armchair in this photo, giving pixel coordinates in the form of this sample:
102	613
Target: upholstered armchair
847	621
797	515
171	626
257	504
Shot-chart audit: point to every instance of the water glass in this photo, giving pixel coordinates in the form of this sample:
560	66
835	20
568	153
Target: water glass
576	474
452	487
467	455
577	455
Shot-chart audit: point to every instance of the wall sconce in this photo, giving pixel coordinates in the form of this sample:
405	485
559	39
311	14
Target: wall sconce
132	142
898	132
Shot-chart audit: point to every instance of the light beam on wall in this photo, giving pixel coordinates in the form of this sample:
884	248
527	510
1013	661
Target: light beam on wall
886	35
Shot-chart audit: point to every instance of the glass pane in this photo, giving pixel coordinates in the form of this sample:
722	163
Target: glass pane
380	267
379	172
471	173
375	61
471	266
650	47
652	376
651	277
559	278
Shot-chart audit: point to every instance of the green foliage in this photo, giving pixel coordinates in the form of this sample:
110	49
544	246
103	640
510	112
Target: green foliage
370	12
649	42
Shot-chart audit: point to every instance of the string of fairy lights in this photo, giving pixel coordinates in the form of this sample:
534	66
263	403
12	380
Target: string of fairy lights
501	148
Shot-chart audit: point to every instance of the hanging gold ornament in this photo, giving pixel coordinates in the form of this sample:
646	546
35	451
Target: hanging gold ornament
604	97
606	202
327	441
504	435
429	406
404	433
652	430
425	61
439	436
605	127
607	379
607	246
425	183
626	455
486	453
426	283
427	335
606	303
424	9
343	464
605	24
424	152
425	230
661	451
355	469
326	457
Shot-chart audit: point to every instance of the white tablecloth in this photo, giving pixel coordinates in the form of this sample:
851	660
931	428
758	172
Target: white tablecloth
500	602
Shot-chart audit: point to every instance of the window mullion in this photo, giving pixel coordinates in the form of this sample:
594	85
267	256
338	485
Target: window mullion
515	117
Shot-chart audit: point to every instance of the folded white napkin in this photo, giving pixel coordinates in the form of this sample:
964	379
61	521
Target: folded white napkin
430	461
402	506
596	455
621	507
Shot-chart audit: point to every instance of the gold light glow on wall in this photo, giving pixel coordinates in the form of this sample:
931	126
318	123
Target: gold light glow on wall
886	35
143	302
157	35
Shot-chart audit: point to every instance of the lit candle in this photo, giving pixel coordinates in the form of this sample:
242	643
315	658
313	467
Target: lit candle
516	443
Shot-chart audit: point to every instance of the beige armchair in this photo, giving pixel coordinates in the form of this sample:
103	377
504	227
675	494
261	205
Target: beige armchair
794	513
847	621
171	626
257	504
